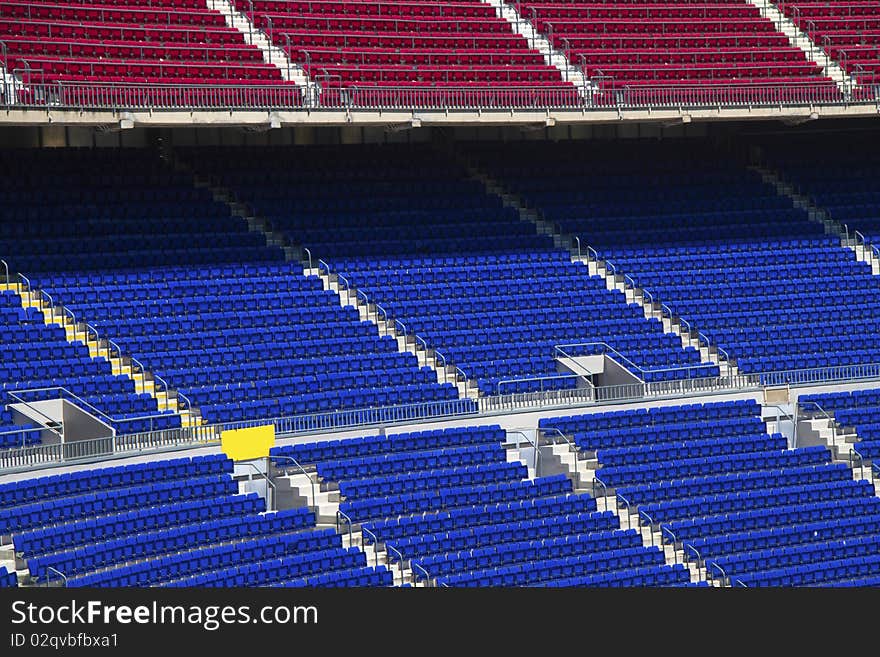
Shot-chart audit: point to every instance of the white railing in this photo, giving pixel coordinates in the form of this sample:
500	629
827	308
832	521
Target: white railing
287	96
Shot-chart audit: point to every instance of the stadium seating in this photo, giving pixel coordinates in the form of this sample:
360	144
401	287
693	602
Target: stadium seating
429	47
695	230
858	409
81	224
848	31
485	533
505	296
138	42
7	579
752	511
841	180
165	523
705	49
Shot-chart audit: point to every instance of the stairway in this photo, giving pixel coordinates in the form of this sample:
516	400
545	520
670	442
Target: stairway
539	42
290	70
801	39
102	347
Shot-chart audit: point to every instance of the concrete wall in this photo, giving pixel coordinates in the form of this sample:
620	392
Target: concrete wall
615	374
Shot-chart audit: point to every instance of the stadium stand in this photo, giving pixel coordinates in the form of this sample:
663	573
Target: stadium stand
476	299
131	43
165	523
406	44
82	226
840	180
737	261
848	31
449	504
858	411
735	500
713	46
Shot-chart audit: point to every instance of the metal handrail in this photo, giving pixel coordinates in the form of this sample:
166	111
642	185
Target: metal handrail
627	361
537	460
666	530
712	564
689	546
6	269
326	266
301	469
268	481
588	372
628	505
48	421
552	377
397	323
855	458
308	252
427	574
379	307
375	538
340	516
61	575
597	480
16	394
644	514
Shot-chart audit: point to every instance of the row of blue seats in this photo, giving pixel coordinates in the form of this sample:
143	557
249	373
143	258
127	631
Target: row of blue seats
127	243
775	558
411	482
145	259
399	462
812	574
735	481
452	497
137	521
184	276
753	499
781	537
644	417
674	575
525	552
455	540
14	435
192	562
561	567
134	548
81	481
284	568
648	453
329	401
346	448
28	516
764	518
367	576
614	476
592	440
480	514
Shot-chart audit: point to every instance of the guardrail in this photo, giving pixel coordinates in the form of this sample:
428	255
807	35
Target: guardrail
200	436
34	92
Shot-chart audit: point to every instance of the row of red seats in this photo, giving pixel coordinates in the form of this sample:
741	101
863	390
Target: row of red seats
377	24
406	41
54	68
393	75
687	11
671	42
142	4
458	9
114	14
428	56
122	32
693	55
132	50
654	26
721	71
